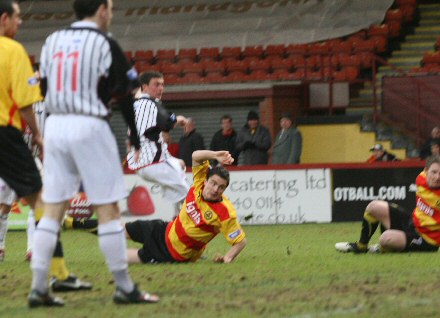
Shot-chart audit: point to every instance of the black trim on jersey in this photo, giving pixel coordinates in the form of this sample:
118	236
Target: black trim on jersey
43	86
165	120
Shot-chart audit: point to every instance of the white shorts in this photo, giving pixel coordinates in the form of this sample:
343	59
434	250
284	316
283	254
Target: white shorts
81	148
170	176
7	195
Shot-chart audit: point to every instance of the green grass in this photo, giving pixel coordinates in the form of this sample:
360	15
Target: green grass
285	271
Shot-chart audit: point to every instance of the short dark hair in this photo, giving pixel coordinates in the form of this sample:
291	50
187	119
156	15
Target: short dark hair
431	160
146	77
219	171
6	6
226	116
87	8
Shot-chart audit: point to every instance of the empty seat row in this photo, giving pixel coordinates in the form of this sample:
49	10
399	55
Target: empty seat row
345	74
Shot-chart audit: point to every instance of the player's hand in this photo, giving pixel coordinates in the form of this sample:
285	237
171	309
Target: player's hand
181	121
218	258
224	157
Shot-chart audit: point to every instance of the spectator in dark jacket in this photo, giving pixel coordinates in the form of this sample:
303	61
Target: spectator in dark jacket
190	142
287	146
253	142
425	151
225	138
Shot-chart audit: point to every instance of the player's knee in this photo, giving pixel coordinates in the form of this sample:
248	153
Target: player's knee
392	240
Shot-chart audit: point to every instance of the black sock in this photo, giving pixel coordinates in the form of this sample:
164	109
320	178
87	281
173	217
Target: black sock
369	226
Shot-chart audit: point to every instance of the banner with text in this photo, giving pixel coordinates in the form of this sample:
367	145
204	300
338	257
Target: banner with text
353	189
260	197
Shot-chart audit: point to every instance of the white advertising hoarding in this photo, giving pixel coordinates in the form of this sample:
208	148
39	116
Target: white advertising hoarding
259	196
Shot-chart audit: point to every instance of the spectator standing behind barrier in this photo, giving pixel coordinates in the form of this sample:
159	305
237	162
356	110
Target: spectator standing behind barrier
380	155
425	151
288	142
435	147
190	142
225	138
253	141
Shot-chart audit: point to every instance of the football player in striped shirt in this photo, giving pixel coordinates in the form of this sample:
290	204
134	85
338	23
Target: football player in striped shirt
418	231
206	212
155	163
80	146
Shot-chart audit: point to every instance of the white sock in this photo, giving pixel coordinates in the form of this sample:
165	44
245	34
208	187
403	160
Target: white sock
113	246
45	239
30	229
3	229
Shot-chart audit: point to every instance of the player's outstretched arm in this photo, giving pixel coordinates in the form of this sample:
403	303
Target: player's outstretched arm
223	157
231	254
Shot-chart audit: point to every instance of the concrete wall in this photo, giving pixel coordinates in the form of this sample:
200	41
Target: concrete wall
331	143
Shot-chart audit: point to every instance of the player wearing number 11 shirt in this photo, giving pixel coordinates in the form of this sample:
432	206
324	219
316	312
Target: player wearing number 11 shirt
81	70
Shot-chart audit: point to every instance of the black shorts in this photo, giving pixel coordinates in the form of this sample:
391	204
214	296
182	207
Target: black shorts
152	235
17	166
400	219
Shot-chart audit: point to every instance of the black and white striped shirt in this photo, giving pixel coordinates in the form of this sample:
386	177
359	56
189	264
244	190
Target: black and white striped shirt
82	70
151	118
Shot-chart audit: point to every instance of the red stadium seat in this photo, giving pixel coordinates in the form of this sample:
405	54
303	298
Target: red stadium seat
233	66
231	53
275	50
394	15
187	55
395	28
217	67
142	66
318	61
259	65
191	78
319	48
168	69
209	54
235	77
380	43
146	56
364	46
192	67
351	72
283	75
431	58
296	49
214	77
379	30
163	55
408	12
366	59
253	51
350	60
258	75
171	79
342	47
279	63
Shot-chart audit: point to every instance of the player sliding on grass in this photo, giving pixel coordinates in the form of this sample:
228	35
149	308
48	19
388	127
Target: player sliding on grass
205	213
418	231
